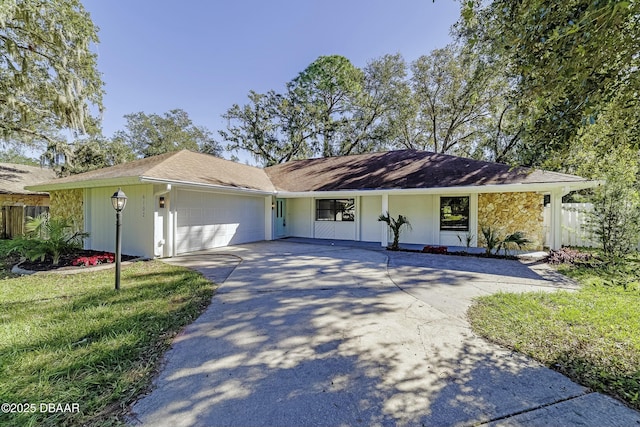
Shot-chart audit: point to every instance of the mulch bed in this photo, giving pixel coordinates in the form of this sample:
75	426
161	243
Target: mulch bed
65	261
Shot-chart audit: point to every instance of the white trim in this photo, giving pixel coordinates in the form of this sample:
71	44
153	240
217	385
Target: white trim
205	187
471	189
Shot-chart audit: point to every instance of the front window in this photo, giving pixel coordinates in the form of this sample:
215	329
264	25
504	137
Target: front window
335	210
454	213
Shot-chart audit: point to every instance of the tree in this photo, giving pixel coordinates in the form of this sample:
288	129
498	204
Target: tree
569	59
152	134
331	108
48	74
13	155
607	150
272	128
461	106
328	89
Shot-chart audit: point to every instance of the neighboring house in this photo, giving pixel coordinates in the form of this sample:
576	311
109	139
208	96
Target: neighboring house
185	201
17	203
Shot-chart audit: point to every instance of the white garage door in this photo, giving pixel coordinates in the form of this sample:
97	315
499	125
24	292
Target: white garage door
208	220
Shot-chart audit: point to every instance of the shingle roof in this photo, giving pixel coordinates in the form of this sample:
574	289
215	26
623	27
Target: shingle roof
14	177
403	169
183	166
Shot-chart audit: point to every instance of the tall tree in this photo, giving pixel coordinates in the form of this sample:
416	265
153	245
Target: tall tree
328	90
568	58
48	74
152	134
271	127
452	99
330	108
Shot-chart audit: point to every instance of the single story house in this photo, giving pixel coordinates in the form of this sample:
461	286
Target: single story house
185	201
17	203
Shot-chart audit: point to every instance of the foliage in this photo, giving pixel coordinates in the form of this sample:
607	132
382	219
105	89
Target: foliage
71	338
92	153
590	335
105	258
461	106
567	60
570	256
396	226
331	108
48	74
13	155
48	237
452	103
495	241
151	134
465	239
615	219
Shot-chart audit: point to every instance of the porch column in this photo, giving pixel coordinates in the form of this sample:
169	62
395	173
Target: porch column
384	240
268	217
168	249
555	241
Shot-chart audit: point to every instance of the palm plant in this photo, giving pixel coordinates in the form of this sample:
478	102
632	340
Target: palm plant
50	236
396	226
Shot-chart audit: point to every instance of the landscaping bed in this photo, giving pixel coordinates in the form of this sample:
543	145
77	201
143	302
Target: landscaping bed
78	258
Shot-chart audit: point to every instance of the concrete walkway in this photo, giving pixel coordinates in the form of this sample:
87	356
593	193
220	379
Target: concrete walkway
311	335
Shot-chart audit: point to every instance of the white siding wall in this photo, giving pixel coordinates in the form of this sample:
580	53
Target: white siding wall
370	210
209	220
422	213
299	217
335	230
137	220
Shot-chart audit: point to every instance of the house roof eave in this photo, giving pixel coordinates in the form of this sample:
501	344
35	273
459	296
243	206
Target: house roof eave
201	186
543	188
109	182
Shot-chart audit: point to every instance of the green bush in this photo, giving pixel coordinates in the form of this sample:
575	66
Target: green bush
48	236
396	226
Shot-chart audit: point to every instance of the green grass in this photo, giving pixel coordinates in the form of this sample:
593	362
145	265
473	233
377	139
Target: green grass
6	262
592	335
74	339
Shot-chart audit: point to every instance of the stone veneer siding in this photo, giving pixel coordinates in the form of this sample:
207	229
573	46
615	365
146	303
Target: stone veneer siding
68	204
511	212
24	200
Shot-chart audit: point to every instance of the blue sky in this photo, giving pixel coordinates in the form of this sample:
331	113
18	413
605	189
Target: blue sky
204	56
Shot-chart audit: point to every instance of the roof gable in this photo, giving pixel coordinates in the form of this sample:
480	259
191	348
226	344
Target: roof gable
180	166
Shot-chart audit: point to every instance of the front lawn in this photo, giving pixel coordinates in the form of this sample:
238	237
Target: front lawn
73	340
592	335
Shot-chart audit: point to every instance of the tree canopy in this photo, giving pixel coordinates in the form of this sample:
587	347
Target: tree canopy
451	102
569	59
151	134
48	74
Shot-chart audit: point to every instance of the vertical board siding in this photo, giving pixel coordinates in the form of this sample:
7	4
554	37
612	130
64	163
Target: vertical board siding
574	229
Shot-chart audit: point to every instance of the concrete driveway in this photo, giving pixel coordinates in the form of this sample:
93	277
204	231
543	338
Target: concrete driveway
310	335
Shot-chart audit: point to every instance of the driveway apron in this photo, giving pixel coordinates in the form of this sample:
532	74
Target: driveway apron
308	335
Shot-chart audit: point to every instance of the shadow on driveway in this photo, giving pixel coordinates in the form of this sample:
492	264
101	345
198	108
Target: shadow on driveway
306	336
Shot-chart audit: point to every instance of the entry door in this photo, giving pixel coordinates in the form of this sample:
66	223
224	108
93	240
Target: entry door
281	218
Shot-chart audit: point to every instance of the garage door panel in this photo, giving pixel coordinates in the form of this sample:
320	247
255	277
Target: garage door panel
207	220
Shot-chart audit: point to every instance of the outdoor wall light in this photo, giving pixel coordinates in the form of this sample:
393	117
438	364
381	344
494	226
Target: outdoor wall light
118	201
161	202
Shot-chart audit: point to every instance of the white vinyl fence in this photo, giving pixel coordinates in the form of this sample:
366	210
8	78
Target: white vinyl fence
574	230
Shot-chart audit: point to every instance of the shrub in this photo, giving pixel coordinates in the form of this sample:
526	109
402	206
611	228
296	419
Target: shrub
48	236
396	226
494	240
569	256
